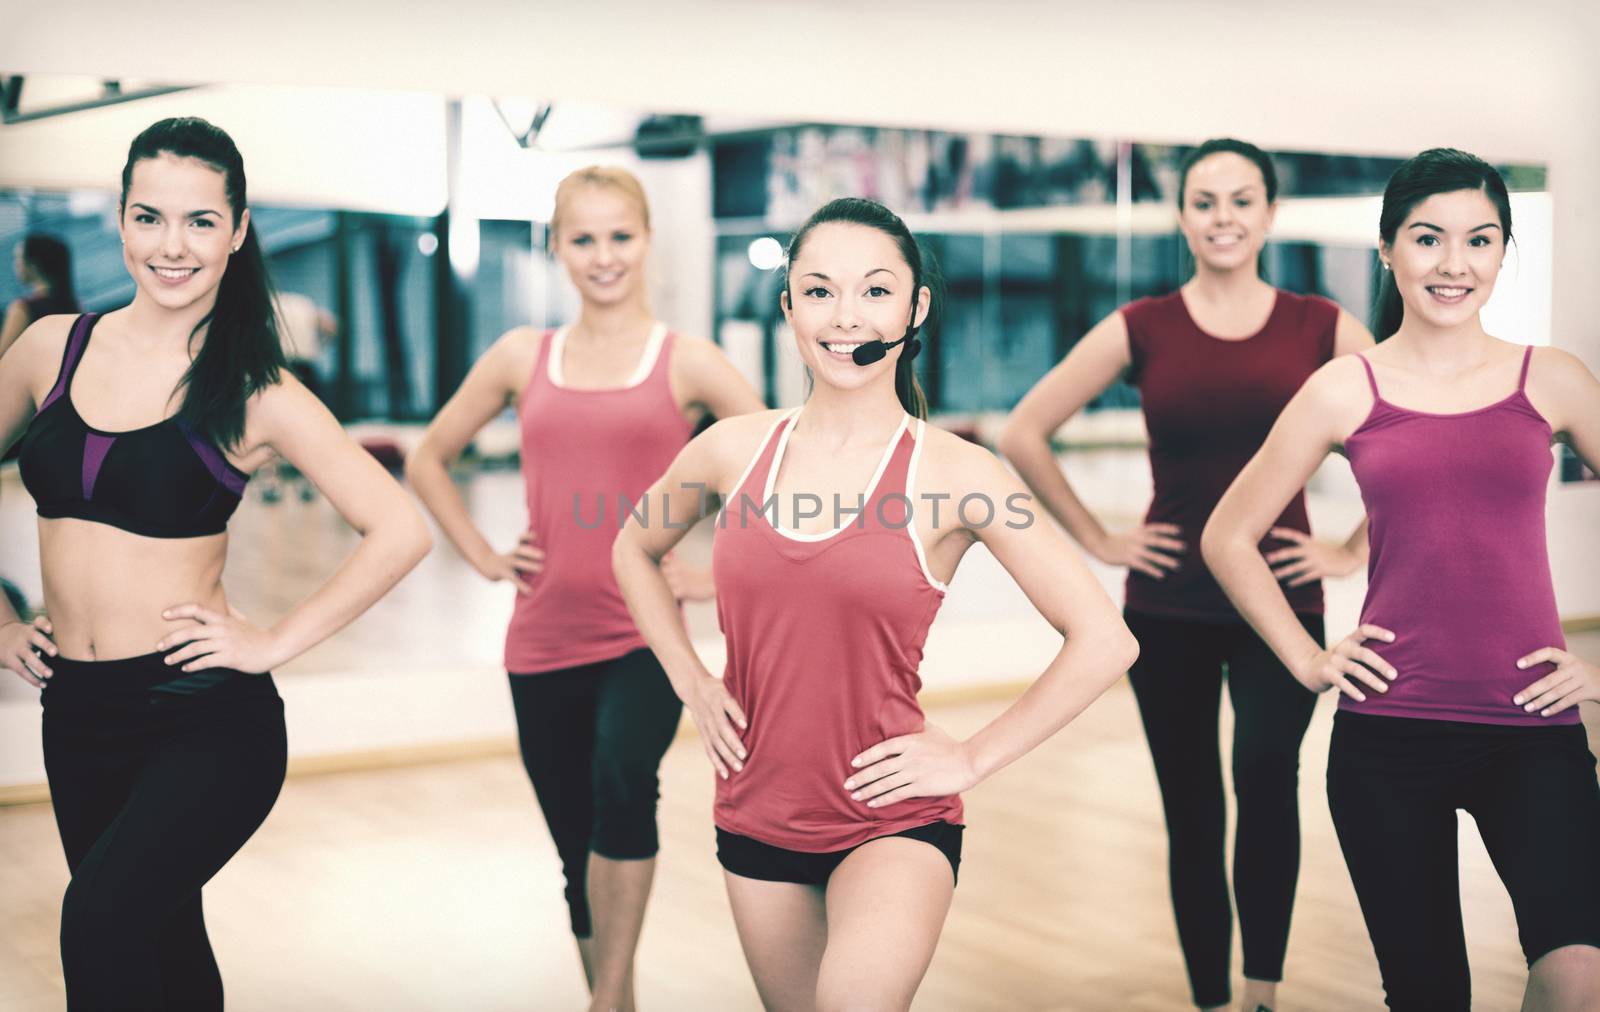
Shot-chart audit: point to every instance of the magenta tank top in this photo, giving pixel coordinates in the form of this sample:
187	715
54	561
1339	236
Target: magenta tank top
587	457
824	635
1459	571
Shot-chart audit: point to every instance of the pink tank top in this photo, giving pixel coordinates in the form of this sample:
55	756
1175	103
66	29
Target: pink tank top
587	457
824	636
1459	571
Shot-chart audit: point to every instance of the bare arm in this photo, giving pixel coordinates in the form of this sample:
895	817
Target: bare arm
1568	395
394	538
1097	648
1325	411
688	491
16	321
494	380
703	376
20	376
708	379
1092	365
1306	559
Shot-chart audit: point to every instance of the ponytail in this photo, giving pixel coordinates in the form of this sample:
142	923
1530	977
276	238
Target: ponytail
242	353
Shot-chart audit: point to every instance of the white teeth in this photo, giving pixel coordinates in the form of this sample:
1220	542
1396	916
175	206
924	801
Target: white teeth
1225	240
1448	293
842	349
174	273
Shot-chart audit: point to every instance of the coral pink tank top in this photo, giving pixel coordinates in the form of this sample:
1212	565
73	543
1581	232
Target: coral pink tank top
824	635
587	457
1459	571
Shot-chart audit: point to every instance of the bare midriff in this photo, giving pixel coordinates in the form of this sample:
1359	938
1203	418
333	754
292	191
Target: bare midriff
105	589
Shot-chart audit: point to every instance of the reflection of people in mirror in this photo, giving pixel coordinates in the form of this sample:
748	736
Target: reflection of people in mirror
44	266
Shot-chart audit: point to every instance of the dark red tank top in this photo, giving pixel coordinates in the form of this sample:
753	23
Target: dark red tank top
1208	405
824	636
587	456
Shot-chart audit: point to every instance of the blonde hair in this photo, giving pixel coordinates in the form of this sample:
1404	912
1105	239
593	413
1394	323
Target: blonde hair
612	176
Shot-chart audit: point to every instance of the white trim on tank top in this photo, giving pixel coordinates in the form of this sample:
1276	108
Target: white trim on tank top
911	493
872	486
744	476
647	362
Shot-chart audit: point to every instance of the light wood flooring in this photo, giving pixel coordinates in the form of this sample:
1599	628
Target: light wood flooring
435	887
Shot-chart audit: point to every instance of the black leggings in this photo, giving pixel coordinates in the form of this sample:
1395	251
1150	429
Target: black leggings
1178	683
592	738
157	779
1394	784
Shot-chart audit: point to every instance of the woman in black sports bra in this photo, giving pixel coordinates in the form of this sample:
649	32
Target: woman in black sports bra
163	732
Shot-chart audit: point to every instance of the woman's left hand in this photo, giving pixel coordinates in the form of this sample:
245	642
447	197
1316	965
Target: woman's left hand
1307	559
219	641
1573	681
928	764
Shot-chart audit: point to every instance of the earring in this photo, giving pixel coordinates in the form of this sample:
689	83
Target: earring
1386	265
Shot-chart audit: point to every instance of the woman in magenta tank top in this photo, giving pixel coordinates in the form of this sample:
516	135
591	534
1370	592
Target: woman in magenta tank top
603	406
1208	402
838	812
1456	689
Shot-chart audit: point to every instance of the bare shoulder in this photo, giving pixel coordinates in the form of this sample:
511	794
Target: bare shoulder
691	354
693	346
730	444
515	353
1562	387
950	464
276	405
1339	382
37	352
1560	367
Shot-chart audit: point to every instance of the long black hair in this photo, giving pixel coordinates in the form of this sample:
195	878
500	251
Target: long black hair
924	272
242	353
49	258
1436	170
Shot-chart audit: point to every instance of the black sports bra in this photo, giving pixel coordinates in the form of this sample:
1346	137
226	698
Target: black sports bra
160	481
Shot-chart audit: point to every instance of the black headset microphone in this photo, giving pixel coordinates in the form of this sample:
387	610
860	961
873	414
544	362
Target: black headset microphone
869	352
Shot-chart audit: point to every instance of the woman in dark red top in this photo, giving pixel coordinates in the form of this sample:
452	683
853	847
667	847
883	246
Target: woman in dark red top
1214	362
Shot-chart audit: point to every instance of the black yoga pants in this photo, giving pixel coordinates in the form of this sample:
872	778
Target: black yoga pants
157	779
592	738
1394	785
1178	681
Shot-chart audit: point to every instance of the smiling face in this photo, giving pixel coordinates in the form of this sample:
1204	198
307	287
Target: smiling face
1225	214
178	230
1446	256
850	284
602	240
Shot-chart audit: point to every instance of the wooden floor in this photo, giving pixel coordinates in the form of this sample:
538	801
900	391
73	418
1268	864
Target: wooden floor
435	887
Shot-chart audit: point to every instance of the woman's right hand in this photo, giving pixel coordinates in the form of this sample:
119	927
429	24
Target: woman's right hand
715	713
1152	549
1348	660
21	644
517	565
